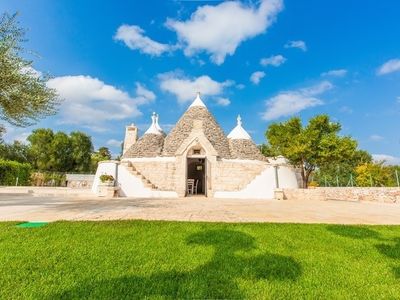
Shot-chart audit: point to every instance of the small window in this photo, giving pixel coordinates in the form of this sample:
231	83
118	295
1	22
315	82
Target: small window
196	151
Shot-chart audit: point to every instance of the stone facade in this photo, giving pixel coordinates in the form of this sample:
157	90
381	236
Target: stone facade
149	145
374	194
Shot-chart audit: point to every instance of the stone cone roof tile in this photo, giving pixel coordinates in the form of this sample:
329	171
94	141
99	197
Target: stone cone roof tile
149	145
245	149
183	128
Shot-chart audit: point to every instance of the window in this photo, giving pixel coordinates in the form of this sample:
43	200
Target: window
196	151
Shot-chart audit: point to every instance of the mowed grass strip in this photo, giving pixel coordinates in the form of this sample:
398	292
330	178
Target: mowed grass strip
144	259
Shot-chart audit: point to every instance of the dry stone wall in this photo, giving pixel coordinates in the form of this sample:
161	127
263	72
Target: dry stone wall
161	174
374	194
234	176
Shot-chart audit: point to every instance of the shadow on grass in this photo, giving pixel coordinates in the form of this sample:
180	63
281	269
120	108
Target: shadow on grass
354	232
216	278
393	252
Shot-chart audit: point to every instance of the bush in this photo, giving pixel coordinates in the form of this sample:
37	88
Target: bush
105	177
48	179
11	170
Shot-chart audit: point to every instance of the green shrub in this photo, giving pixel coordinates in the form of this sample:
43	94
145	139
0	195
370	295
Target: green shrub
10	170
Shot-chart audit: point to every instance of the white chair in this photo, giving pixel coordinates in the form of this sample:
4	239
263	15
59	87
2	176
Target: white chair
190	186
195	186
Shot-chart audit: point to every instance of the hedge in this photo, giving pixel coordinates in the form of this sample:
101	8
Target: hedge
10	170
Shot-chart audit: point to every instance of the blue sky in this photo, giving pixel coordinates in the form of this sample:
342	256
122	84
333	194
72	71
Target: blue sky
115	62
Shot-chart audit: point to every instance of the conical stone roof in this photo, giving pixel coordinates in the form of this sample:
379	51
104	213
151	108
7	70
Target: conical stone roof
210	127
149	145
245	149
241	144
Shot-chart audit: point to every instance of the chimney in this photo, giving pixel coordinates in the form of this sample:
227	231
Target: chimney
131	136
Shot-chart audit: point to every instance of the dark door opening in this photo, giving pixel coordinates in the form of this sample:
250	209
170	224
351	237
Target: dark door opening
196	170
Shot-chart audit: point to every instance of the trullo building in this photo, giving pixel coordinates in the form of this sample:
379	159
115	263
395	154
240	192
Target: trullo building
196	157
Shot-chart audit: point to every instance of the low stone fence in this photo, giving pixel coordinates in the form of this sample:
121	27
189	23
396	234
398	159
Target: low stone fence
375	194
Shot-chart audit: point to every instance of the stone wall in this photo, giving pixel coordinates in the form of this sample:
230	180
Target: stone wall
160	173
233	176
375	194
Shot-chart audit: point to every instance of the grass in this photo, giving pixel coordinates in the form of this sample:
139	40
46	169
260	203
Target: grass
139	259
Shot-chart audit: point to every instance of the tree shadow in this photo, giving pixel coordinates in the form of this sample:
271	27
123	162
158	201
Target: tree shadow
216	279
393	252
354	232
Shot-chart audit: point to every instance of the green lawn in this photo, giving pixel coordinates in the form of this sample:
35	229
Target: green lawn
139	259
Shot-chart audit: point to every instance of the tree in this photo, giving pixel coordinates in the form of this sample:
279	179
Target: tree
24	96
16	151
41	148
82	149
61	153
316	145
374	174
102	154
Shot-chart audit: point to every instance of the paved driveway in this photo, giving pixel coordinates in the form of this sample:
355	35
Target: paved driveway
46	208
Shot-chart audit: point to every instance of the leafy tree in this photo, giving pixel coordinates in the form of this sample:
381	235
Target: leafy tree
316	145
24	96
374	174
16	151
102	154
82	149
342	171
61	153
41	148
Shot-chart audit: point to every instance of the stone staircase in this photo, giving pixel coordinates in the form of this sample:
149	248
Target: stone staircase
132	170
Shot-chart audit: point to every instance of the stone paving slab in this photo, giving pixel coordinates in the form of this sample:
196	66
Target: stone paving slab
51	208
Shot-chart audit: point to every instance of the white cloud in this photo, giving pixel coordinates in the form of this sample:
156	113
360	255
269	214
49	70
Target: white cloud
398	99
291	102
376	137
275	60
222	101
388	159
346	109
114	143
185	88
134	38
220	29
256	77
241	86
296	44
335	73
390	66
31	71
19	134
90	102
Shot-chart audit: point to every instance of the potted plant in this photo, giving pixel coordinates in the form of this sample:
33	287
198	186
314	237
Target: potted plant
107	180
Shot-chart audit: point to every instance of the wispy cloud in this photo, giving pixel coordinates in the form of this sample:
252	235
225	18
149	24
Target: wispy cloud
376	137
222	101
387	159
256	77
275	60
288	103
296	44
133	37
390	66
185	88
335	73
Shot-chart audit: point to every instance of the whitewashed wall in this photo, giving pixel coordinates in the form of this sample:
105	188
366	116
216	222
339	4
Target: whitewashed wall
108	167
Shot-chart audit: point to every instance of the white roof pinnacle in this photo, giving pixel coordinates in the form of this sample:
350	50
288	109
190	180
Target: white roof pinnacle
239	133
157	125
198	101
154	127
